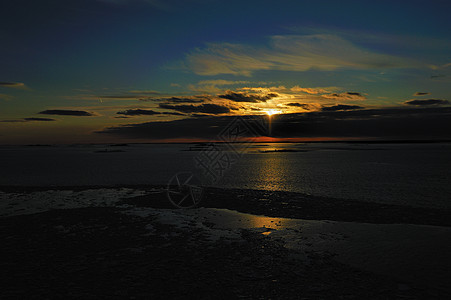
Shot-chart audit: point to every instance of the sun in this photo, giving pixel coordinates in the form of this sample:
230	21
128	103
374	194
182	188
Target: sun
273	112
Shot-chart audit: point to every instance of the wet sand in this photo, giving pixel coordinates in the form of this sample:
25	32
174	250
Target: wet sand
239	244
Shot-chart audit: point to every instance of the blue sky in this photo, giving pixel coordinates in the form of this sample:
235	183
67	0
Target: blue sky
134	62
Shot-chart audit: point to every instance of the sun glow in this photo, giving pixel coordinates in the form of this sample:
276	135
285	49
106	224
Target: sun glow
273	112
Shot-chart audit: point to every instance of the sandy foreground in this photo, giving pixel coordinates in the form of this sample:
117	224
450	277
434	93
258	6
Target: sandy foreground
126	243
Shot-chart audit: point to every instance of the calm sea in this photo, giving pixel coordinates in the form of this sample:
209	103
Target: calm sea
412	174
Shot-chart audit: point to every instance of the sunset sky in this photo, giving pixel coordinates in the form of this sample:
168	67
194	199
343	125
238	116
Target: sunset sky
94	71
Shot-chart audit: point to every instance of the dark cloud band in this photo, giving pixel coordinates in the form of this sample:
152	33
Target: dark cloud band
427	102
302	105
28	120
145	112
242	97
12	84
203	108
138	112
394	123
63	112
341	107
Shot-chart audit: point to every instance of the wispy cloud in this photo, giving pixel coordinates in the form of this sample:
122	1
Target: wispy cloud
305	106
427	102
444	66
146	112
138	112
203	108
289	53
220	82
144	92
313	91
28	120
421	94
15	85
262	89
214	86
133	95
345	96
121	97
242	97
179	99
194	99
64	112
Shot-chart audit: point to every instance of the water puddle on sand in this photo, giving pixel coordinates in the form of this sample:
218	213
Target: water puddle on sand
228	219
413	253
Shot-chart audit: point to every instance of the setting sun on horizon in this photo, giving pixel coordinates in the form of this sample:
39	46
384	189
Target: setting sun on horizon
273	112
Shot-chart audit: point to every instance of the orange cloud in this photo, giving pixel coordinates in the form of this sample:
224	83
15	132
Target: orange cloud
313	91
345	96
289	53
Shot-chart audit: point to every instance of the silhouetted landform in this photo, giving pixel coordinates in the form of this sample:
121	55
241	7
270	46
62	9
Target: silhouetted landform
219	147
39	145
345	142
386	141
262	144
119	145
202	147
354	149
281	150
196	148
364	142
108	151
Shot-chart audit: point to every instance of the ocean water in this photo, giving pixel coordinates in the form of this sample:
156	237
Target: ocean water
408	174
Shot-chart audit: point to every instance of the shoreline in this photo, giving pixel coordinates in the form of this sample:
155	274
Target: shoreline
276	204
237	244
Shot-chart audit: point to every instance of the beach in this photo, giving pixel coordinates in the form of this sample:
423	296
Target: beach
126	242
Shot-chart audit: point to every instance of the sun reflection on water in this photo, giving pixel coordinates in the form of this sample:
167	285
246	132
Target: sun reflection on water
266	222
270	172
224	218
